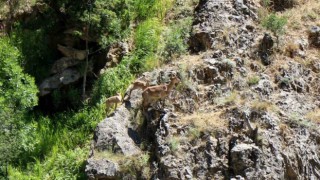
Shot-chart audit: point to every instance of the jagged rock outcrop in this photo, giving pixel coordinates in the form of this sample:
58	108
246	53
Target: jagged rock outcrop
226	26
65	77
265	49
220	123
62	64
101	169
72	53
62	69
116	135
314	36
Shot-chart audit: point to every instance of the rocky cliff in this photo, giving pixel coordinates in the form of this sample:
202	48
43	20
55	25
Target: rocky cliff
242	110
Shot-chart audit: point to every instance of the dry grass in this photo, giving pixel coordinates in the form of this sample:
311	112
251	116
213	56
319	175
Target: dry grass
205	121
263	106
314	116
291	49
302	16
114	157
189	61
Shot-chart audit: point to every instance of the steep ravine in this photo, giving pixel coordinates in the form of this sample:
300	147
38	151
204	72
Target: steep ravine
233	116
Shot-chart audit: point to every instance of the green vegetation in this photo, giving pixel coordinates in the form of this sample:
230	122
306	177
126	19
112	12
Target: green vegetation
17	96
112	81
275	23
34	145
38	146
175	39
57	147
33	44
230	99
253	80
194	133
174	143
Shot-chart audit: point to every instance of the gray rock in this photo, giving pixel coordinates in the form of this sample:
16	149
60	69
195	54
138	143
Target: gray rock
69	76
243	157
265	49
264	87
62	64
314	36
114	134
66	77
72	53
213	19
102	169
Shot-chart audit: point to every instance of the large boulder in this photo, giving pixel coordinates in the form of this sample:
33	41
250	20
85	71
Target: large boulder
244	157
102	169
72	53
114	135
62	64
66	77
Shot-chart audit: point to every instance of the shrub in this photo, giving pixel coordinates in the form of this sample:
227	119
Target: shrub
230	99
155	8
253	80
147	40
175	39
18	94
194	133
147	35
112	81
275	24
314	116
263	106
174	143
18	90
36	53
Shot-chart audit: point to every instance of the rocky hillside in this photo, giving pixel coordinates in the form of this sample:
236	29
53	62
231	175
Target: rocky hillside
247	106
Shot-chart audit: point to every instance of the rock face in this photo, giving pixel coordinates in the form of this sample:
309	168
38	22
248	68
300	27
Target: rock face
101	169
114	134
63	71
223	25
220	123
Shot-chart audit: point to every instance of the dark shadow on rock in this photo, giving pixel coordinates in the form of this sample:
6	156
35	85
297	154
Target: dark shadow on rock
134	135
127	104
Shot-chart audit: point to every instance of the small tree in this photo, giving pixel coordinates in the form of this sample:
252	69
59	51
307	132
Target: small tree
275	24
18	92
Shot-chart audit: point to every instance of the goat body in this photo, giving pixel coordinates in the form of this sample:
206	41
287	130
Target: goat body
154	93
113	100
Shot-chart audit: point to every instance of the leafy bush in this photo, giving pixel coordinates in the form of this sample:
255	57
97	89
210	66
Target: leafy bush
17	89
147	35
56	148
275	24
112	81
37	56
253	80
174	143
17	95
144	9
108	20
176	39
